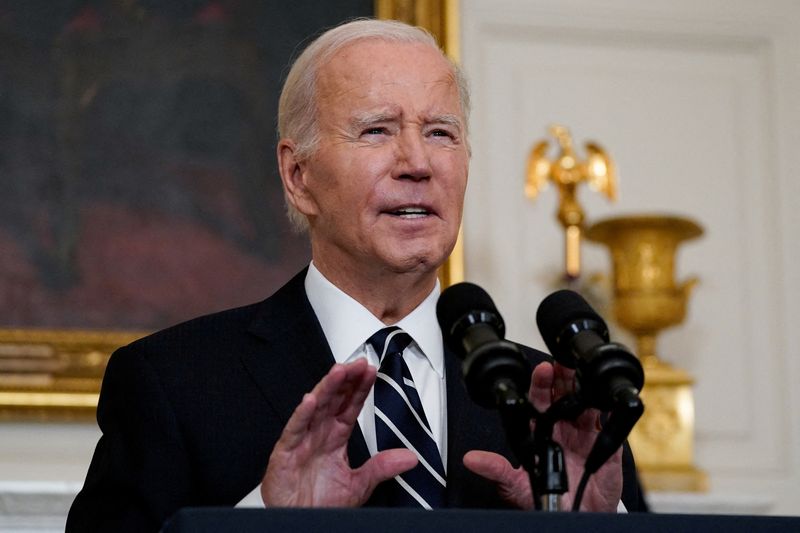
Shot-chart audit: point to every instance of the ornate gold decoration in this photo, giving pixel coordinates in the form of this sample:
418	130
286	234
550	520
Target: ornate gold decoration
647	300
567	172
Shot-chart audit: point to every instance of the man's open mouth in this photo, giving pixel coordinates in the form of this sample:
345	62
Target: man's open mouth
410	212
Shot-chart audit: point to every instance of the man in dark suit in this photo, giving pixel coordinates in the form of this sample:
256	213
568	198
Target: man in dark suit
277	398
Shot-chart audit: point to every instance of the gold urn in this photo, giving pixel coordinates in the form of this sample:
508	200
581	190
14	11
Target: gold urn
647	299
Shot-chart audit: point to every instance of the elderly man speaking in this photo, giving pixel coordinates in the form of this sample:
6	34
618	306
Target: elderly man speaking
280	398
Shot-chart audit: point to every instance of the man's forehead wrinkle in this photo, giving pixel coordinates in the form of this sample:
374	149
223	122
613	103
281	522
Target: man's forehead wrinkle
337	84
356	88
343	81
377	107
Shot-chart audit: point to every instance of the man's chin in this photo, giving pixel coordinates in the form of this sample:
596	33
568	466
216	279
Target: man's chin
418	261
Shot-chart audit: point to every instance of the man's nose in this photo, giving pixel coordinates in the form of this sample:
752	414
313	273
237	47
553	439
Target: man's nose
413	158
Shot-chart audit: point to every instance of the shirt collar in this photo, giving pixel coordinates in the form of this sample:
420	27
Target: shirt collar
347	324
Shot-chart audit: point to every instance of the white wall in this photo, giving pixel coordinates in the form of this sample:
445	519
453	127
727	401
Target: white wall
42	467
699	104
39	451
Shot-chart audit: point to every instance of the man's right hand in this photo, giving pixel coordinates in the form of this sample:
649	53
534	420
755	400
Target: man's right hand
309	467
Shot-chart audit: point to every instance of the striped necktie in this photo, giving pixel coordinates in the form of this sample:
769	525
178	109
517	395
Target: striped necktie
400	422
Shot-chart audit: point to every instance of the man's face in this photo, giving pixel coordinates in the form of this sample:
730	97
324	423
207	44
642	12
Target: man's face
385	187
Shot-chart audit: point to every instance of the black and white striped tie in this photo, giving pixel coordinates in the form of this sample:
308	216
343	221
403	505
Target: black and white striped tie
400	422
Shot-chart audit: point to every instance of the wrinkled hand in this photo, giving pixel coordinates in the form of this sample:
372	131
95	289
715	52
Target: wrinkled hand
603	491
309	467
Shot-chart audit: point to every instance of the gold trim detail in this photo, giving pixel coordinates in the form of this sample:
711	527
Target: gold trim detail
54	375
441	18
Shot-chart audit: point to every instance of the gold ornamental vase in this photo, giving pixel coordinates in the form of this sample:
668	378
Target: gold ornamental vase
647	299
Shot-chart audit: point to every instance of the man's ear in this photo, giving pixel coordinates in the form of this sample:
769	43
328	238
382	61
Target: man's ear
294	178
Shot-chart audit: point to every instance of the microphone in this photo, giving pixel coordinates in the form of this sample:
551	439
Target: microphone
608	374
495	371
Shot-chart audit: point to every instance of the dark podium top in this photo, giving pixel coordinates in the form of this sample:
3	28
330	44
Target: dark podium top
201	520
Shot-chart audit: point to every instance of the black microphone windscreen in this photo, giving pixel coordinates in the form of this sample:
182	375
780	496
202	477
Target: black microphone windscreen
558	311
458	300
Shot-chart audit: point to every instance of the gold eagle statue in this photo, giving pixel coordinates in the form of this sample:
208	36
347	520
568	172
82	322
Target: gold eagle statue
597	169
567	172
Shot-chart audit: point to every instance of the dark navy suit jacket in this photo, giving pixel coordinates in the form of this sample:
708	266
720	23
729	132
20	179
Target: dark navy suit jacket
190	414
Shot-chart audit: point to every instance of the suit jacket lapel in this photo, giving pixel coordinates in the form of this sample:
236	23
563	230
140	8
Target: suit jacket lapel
295	355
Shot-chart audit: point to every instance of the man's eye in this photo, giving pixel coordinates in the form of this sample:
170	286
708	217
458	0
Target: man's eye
374	131
441	133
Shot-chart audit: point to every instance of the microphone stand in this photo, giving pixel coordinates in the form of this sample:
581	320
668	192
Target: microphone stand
516	413
537	452
551	475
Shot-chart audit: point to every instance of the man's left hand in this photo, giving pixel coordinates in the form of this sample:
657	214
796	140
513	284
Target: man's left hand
576	438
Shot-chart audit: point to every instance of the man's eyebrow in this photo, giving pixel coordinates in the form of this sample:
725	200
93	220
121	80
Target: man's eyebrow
364	120
368	119
448	119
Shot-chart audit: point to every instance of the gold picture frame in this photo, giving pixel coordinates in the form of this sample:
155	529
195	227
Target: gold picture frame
48	375
55	374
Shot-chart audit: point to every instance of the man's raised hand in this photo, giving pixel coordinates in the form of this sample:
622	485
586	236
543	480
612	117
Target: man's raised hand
309	466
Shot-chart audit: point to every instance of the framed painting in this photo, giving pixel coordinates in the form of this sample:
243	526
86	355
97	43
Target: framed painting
138	177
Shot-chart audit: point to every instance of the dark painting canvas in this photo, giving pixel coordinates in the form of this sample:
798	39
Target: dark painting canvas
138	180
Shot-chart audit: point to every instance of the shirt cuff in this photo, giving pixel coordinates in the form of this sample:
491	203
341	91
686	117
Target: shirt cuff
252	500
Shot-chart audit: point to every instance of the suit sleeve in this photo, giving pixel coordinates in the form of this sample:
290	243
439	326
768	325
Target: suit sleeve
139	474
633	496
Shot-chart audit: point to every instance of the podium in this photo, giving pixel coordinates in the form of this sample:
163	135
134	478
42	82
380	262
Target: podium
219	520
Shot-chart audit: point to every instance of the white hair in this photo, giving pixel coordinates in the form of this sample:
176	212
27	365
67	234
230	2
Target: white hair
297	107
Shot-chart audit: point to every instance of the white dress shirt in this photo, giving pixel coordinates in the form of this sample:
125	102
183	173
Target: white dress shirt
347	325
